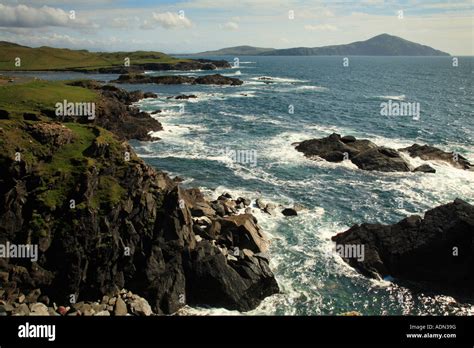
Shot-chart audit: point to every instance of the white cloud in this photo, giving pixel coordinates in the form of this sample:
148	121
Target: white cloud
167	20
22	16
230	26
320	27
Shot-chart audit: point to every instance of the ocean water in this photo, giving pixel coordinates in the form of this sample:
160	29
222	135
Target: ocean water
255	121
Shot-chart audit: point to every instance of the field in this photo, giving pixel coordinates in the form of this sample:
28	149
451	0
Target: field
48	58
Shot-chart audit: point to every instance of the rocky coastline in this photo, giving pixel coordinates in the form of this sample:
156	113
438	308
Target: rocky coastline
436	249
215	79
103	220
366	155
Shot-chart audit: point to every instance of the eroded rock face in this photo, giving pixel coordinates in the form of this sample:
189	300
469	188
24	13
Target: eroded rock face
437	249
144	240
426	152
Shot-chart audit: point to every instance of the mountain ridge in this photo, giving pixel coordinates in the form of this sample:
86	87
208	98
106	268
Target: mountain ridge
379	45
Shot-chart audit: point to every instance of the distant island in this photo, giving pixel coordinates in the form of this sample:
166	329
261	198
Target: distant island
380	45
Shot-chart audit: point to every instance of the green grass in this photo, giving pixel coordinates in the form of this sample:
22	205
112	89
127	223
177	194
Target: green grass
38	95
48	58
60	170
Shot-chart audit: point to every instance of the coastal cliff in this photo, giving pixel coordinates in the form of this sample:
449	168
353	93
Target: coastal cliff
103	220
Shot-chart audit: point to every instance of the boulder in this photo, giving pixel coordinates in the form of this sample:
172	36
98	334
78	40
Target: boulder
289	212
232	283
436	249
425	168
120	307
140	306
39	309
381	159
363	153
244	233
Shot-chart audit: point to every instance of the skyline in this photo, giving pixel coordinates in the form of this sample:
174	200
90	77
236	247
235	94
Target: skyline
192	26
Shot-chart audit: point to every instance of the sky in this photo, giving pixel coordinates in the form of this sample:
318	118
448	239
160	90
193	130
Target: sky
188	26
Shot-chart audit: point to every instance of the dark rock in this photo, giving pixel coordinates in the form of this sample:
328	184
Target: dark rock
238	285
4	115
215	79
348	139
427	153
218	207
28	116
245	201
150	95
243	232
185	97
363	153
289	212
425	168
381	159
437	249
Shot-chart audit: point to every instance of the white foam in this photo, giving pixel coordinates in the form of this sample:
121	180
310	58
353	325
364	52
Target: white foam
391	97
272	79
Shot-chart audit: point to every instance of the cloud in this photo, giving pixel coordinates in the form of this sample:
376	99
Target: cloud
233	26
321	27
167	20
22	16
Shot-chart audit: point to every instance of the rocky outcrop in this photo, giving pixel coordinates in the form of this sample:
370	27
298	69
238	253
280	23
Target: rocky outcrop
381	159
188	65
431	153
363	153
437	249
115	113
368	156
215	79
130	227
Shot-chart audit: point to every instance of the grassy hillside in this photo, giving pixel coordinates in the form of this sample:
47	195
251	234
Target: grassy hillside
59	167
48	58
35	95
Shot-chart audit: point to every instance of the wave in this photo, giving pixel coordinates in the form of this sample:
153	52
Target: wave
390	97
237	73
272	79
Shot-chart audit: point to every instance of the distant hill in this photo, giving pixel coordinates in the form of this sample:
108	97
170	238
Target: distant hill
236	51
49	58
381	45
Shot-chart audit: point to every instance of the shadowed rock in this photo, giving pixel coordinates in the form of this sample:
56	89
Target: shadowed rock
437	249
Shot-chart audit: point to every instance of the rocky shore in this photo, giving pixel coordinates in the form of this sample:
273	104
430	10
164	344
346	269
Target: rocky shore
366	155
437	249
215	79
188	65
123	303
103	220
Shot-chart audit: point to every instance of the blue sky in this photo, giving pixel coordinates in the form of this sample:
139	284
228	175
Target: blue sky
199	25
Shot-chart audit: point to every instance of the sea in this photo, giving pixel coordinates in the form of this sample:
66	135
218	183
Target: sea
241	140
